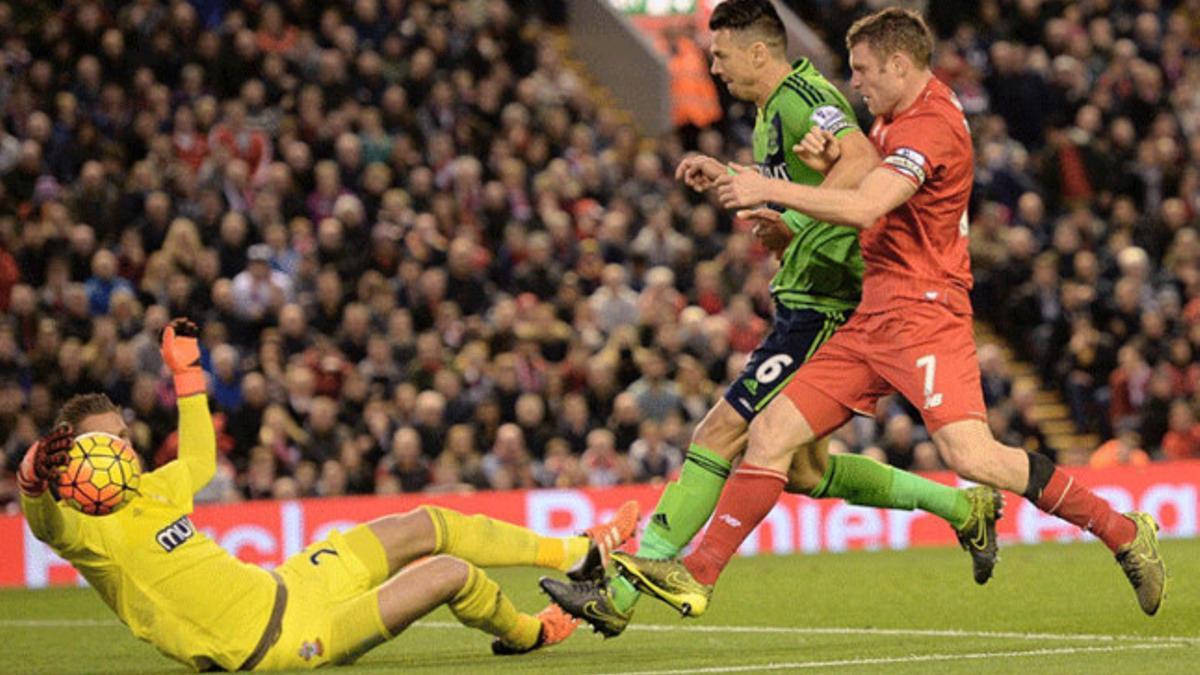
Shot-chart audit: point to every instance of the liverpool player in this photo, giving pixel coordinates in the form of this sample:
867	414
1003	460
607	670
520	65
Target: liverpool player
816	288
912	332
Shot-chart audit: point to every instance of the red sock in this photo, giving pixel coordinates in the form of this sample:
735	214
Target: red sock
747	498
1072	502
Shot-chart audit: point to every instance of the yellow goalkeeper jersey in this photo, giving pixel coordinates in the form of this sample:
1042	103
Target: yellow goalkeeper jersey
169	582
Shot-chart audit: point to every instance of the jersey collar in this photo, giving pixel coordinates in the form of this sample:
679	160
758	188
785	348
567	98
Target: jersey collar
801	65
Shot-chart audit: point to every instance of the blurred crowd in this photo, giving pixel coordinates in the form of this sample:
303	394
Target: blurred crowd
425	257
1084	239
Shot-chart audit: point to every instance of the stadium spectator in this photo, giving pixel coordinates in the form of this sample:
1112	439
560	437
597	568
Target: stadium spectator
366	213
1124	450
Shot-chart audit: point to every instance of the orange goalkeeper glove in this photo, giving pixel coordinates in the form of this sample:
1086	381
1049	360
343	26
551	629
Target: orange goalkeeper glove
181	353
43	459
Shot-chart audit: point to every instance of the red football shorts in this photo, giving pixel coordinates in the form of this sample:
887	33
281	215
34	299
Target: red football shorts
922	350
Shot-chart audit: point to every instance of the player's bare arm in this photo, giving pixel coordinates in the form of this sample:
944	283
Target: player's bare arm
881	191
852	155
700	172
821	150
818	149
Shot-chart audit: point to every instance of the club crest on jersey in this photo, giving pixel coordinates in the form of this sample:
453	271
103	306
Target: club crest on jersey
310	650
174	535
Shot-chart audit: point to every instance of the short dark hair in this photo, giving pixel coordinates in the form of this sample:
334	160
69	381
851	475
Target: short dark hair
750	15
79	408
894	30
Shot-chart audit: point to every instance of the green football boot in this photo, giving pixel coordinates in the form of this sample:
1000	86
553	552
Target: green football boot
1140	561
667	580
978	535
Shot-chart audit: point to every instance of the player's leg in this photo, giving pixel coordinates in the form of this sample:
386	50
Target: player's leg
480	540
746	500
842	384
683	508
970	450
863	481
939	369
687	502
858	480
825	392
376	616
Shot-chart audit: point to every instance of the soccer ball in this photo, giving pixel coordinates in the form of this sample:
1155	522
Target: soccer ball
101	476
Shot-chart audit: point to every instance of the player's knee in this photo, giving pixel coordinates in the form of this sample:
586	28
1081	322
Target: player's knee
801	481
402	522
411	532
963	459
967	449
722	431
447	573
771	443
808	467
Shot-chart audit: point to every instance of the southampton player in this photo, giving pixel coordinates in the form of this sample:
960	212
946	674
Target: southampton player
912	332
816	288
177	589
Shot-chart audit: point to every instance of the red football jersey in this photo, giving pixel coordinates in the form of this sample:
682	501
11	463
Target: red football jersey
918	251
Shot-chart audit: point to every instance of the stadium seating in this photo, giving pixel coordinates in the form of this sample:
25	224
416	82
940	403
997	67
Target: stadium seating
426	258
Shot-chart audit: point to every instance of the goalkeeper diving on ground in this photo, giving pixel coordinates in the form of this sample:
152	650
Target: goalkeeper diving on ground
177	589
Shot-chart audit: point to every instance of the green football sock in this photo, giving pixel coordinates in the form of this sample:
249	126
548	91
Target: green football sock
684	507
865	482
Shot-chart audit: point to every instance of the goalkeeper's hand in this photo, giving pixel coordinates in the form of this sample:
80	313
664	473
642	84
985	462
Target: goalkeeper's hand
43	459
181	353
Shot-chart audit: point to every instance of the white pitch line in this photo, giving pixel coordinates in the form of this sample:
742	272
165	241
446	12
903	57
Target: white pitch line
767	630
919	632
919	658
894	632
56	623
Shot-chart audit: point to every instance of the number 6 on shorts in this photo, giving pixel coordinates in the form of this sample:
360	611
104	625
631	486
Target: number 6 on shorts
772	368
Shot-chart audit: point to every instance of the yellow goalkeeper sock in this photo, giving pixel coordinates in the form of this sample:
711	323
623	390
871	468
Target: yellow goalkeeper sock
481	604
493	543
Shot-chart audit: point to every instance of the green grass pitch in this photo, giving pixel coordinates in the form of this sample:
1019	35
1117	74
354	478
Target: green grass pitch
1051	609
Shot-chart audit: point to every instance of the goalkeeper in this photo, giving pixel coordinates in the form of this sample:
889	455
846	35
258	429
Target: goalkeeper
177	589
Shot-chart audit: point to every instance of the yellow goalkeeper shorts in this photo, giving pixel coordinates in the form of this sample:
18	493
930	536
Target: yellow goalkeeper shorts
332	614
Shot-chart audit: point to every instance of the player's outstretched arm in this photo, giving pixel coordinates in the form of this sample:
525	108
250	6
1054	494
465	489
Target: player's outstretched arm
46	518
881	191
197	438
